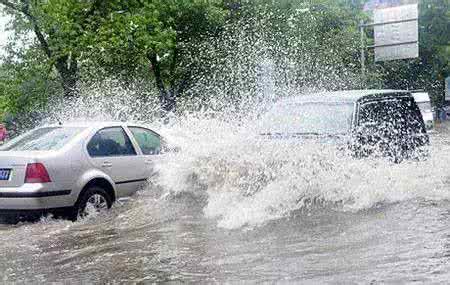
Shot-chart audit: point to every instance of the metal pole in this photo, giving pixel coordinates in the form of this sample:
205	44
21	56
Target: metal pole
363	53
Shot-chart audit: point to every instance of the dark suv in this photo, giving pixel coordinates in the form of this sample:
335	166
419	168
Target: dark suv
384	123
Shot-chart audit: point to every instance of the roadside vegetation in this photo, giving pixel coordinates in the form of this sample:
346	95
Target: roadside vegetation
202	49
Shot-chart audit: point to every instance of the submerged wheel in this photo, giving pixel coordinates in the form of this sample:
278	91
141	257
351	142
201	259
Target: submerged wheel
93	199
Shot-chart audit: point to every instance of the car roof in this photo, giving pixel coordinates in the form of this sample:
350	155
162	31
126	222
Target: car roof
95	124
347	96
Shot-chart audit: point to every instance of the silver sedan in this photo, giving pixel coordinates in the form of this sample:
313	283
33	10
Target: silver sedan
72	168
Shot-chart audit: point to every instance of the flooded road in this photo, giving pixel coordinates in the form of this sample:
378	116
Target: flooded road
397	243
257	212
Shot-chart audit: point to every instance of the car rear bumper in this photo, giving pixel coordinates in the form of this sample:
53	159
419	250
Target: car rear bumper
15	216
33	197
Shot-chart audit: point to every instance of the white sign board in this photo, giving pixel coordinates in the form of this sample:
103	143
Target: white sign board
396	33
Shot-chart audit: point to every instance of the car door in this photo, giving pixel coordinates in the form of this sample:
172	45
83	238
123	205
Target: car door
112	151
150	144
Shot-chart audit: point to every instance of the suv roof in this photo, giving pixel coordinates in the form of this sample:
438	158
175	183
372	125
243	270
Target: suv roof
349	96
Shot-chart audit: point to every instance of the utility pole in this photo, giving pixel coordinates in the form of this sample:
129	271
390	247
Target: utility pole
363	53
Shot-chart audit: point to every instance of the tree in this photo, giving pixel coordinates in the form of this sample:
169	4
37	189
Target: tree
160	35
26	87
296	44
51	39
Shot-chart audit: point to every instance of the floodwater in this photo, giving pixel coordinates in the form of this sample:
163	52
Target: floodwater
234	208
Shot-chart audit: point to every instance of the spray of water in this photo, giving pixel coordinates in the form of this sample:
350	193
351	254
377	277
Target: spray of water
243	179
250	180
240	178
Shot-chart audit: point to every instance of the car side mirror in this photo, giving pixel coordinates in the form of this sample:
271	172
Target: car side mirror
170	148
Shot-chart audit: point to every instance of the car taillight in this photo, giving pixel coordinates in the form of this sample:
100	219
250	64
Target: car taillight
36	173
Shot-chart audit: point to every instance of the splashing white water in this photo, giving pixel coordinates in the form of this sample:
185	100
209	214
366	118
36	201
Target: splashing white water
249	180
246	179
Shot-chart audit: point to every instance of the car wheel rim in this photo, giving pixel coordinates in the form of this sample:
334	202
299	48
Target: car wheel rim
98	202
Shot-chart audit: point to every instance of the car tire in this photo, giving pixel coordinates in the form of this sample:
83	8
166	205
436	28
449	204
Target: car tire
94	197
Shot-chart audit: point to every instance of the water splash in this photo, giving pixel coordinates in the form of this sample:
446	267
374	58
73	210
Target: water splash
241	178
250	181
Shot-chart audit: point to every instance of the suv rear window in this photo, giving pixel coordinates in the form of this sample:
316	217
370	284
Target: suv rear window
43	139
402	115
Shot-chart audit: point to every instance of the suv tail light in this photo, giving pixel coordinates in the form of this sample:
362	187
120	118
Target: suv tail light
36	173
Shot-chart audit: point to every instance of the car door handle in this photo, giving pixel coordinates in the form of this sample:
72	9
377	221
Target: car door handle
149	162
107	164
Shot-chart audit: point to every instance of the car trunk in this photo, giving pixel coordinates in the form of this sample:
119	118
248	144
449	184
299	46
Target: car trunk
13	167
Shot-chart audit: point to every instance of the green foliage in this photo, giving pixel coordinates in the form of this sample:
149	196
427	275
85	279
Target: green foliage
119	37
311	44
26	84
180	43
126	33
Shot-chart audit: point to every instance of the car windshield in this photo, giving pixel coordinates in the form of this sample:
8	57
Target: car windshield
43	139
309	118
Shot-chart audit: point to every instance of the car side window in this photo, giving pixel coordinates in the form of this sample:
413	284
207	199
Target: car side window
148	141
110	142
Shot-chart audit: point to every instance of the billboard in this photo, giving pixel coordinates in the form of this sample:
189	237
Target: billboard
396	33
379	4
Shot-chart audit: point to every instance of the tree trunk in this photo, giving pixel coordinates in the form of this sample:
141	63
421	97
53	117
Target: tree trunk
167	98
69	76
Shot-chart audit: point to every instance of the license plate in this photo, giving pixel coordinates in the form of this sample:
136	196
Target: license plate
4	174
